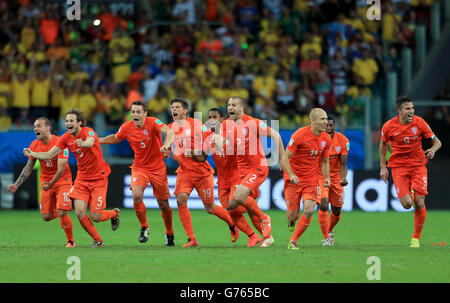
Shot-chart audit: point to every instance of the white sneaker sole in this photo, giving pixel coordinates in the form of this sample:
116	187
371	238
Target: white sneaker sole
267	242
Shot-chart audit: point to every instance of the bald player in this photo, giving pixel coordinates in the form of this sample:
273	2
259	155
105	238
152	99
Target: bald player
307	152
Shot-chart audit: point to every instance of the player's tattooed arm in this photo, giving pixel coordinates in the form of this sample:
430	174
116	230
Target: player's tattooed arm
24	175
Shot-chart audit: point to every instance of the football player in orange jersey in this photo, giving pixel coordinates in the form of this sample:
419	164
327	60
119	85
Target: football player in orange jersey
144	136
56	179
191	172
334	194
408	160
307	151
91	184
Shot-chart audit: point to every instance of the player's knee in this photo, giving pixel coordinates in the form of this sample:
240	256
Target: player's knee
137	198
95	217
210	208
406	203
323	206
293	215
47	217
336	211
182	200
62	213
163	205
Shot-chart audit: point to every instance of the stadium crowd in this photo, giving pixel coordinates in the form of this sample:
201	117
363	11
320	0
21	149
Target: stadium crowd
284	56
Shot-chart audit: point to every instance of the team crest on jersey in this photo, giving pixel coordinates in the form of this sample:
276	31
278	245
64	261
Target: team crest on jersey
323	144
245	131
337	149
188	132
414	130
145	132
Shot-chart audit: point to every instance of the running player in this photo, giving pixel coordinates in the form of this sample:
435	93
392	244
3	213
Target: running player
243	133
144	135
228	178
408	160
192	171
55	179
307	151
91	184
333	194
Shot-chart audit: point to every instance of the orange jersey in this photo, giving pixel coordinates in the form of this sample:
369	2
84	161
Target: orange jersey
307	149
146	143
339	147
244	138
50	167
226	165
91	165
406	141
189	136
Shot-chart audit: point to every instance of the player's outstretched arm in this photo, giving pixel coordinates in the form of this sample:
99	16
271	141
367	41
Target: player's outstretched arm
437	144
24	175
111	139
59	173
169	137
343	169
384	173
286	165
325	166
87	143
53	152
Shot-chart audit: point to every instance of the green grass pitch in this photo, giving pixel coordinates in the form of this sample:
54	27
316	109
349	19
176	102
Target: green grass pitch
32	250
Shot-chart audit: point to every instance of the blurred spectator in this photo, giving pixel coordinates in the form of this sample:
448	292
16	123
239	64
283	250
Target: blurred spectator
5	119
309	68
114	105
285	93
324	92
21	88
338	73
205	102
40	94
365	67
159	105
247	13
49	26
264	87
87	102
356	97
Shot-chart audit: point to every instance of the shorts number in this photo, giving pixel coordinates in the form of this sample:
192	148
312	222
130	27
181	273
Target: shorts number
100	201
314	153
207	193
49	163
142	144
252	179
406	140
66	197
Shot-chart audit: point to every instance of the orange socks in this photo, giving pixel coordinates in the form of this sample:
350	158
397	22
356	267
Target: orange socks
419	220
333	221
107	215
66	224
239	220
324	223
221	213
302	225
256	223
89	227
140	211
186	221
252	206
167	218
